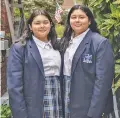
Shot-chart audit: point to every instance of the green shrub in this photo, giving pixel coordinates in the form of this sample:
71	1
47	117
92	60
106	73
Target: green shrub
59	29
5	111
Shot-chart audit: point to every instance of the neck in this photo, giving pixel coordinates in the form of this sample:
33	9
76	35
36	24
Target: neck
44	39
76	34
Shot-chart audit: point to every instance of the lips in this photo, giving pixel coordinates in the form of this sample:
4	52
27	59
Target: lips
77	25
42	30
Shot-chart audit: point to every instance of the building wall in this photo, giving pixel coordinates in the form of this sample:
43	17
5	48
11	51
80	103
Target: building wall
3	55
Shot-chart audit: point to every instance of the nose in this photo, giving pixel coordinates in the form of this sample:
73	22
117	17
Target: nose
41	25
77	19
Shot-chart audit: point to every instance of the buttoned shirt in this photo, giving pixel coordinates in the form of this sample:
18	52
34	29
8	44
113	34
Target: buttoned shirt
51	58
70	51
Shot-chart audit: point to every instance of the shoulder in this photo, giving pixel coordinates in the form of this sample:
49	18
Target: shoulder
97	38
98	41
21	43
18	48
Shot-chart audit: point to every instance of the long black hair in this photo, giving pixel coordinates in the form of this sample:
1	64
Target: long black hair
27	34
64	42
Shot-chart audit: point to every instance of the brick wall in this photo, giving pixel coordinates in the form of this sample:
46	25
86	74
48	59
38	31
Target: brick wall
4	27
4	24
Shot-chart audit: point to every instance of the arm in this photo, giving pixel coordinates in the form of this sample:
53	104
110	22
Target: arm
15	81
104	78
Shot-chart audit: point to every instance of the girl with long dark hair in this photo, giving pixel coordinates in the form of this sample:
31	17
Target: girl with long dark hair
88	67
33	71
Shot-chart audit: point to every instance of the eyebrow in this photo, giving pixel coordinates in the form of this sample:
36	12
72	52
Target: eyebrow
40	21
77	15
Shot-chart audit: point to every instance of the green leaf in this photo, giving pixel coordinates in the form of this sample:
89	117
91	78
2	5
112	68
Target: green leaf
107	1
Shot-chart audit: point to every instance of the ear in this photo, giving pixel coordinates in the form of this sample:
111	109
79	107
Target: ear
89	22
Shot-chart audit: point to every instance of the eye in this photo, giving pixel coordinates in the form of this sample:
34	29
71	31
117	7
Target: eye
36	23
45	22
73	17
81	17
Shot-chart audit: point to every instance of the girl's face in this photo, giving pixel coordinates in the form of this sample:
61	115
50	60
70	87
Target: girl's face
41	27
79	21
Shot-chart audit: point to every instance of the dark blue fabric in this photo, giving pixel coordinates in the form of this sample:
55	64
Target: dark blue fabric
25	81
91	78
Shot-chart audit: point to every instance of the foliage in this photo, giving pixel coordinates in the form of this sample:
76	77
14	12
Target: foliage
117	2
5	111
107	14
117	75
59	29
16	12
64	17
48	5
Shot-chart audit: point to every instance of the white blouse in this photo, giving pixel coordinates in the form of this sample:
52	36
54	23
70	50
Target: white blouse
51	58
70	51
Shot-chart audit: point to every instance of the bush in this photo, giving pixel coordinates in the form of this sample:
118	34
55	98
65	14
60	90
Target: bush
5	111
59	29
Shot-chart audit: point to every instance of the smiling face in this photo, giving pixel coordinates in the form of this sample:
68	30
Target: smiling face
41	27
79	21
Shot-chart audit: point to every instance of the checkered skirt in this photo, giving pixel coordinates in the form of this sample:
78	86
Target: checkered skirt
52	98
67	84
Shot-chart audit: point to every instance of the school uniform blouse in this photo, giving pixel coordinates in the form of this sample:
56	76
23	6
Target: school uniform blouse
52	93
70	51
51	58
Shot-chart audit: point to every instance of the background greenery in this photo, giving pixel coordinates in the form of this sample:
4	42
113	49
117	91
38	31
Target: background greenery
5	111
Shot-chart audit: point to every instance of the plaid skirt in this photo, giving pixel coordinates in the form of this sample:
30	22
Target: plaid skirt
67	84
52	98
